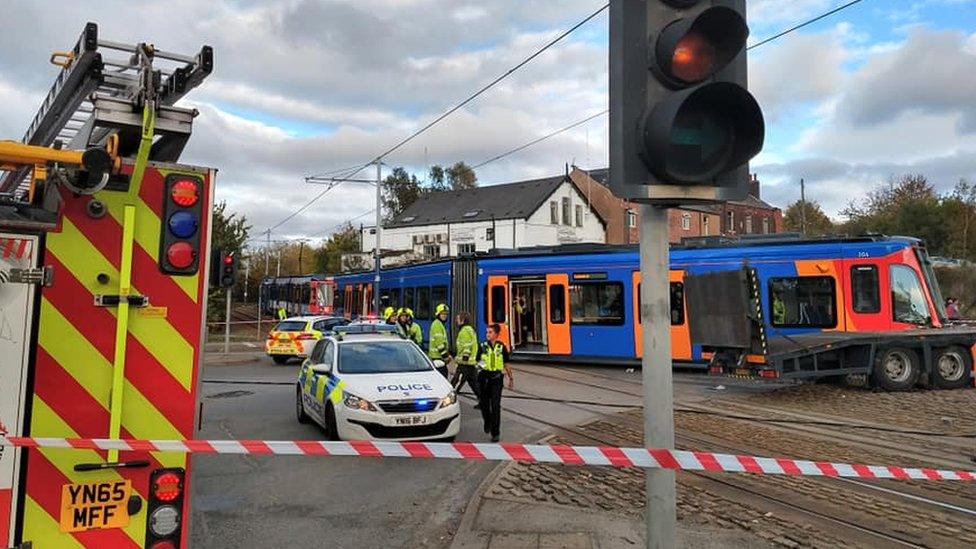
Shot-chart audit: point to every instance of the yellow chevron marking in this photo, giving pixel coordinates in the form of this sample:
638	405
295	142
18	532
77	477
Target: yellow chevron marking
159	338
65	459
44	531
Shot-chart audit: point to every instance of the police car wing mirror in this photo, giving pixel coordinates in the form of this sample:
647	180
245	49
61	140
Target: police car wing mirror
322	368
439	363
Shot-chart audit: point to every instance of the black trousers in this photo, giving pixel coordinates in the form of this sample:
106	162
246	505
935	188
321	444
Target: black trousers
467	373
491	400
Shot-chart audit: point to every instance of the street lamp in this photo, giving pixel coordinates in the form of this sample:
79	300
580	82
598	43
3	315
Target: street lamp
334	181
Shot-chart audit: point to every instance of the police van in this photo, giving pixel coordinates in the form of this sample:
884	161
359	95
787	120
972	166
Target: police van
367	383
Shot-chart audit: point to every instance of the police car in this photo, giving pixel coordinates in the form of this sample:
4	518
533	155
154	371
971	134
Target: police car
371	385
295	337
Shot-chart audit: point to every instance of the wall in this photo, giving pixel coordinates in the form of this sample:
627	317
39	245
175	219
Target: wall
701	223
742	212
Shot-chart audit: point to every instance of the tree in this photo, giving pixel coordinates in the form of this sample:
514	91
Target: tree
228	233
817	222
461	177
400	190
436	178
328	258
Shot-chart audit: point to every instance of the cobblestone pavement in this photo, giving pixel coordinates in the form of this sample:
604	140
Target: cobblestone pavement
699	502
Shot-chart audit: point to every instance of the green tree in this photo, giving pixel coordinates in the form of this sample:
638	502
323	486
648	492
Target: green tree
328	258
817	222
437	178
400	190
461	177
228	233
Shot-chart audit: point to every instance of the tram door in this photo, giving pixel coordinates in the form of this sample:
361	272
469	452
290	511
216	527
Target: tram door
498	307
527	311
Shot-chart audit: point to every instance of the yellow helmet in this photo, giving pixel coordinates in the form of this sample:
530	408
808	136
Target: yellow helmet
441	309
406	311
388	312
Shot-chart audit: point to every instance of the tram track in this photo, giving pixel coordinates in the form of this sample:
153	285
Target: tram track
916	495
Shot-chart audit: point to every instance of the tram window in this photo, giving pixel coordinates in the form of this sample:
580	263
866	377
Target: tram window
803	302
438	295
557	304
395	298
865	289
484	305
597	303
423	304
498	304
408	302
354	308
908	302
677	304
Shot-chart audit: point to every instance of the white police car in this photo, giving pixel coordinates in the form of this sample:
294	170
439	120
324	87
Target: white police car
368	383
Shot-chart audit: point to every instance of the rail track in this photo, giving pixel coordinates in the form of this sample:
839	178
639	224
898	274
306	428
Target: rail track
807	499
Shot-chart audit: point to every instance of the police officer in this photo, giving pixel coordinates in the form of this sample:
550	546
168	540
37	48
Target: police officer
438	344
390	315
466	356
407	329
494	356
281	313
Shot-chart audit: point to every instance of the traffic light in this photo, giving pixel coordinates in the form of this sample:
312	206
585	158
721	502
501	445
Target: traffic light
179	251
683	125
223	269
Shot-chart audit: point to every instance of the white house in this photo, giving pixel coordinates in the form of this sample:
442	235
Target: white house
541	212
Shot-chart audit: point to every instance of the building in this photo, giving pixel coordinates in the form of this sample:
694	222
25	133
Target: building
749	216
540	212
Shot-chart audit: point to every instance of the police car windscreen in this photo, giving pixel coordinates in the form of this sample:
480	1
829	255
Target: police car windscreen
375	357
290	326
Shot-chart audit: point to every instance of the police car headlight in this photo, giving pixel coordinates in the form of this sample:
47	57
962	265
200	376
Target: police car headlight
451	398
356	403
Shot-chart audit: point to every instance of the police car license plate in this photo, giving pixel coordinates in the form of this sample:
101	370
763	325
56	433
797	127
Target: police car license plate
411	420
95	505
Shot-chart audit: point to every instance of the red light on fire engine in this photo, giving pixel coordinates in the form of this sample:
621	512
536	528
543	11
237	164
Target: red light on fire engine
165	544
180	255
167	487
184	193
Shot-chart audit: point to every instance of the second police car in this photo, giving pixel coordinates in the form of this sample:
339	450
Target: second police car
364	382
295	337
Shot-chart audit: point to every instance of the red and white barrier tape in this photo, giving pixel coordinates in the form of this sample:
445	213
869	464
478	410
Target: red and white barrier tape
570	455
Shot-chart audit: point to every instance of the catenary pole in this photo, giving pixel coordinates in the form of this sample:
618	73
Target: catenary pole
655	314
379	229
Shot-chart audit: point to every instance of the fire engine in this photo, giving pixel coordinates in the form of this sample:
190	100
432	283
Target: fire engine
104	248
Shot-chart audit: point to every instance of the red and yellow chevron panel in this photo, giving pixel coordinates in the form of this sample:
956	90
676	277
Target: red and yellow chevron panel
76	353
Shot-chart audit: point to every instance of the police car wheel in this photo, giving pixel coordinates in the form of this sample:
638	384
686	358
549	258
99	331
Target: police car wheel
331	430
280	359
299	408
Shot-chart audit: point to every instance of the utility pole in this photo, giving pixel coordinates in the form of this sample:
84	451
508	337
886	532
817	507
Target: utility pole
278	272
247	277
267	255
803	207
301	252
379	229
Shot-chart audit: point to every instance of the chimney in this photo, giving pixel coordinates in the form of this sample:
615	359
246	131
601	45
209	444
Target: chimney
754	186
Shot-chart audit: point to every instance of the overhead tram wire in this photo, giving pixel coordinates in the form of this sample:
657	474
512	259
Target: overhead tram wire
801	25
451	111
607	111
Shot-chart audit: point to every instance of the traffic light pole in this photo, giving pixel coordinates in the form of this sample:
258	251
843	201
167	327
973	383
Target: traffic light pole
228	293
655	313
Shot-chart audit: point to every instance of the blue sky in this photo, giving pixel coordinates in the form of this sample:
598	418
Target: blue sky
305	86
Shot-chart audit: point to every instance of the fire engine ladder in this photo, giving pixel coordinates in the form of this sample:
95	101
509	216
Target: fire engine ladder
96	96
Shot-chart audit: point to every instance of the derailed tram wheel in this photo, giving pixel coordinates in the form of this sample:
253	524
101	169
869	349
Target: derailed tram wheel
896	369
952	368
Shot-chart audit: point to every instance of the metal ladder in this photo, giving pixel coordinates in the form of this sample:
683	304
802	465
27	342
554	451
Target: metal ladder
95	97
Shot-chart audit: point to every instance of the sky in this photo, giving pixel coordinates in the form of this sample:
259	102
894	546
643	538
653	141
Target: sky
302	87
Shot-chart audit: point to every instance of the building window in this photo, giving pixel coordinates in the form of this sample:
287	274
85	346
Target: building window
705	226
803	302
490	234
865	289
765	223
432	251
579	215
631	219
686	222
730	222
566	212
748	224
597	303
553	212
466	249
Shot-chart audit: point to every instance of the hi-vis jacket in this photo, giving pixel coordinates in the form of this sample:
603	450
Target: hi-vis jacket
438	344
466	345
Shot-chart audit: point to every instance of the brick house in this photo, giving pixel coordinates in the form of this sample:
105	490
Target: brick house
749	216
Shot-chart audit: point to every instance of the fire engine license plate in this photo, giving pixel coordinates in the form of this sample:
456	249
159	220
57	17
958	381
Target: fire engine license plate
411	420
744	372
95	505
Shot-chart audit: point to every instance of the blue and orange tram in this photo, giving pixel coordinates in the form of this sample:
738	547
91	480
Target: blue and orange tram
581	303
